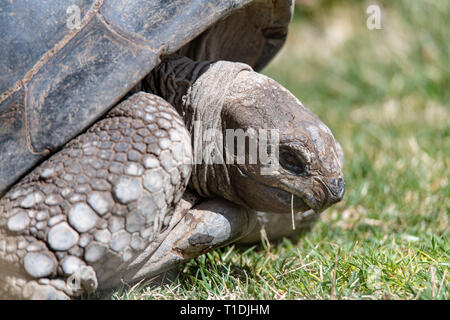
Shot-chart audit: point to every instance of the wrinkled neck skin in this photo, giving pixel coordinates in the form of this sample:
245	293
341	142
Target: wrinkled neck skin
198	90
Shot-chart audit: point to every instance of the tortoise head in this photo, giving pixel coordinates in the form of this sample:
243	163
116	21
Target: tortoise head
227	102
306	172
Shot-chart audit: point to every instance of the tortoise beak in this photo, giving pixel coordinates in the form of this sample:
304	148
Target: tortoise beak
332	192
323	192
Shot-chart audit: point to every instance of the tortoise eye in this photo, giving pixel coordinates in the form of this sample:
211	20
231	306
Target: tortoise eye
292	161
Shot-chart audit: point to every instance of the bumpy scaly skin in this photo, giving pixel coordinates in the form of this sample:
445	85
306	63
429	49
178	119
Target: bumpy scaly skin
93	207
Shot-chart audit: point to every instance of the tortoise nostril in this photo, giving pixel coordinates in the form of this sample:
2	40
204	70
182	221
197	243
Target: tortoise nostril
337	188
332	190
341	186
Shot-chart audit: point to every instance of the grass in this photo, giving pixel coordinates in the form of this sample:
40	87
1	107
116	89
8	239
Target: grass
384	94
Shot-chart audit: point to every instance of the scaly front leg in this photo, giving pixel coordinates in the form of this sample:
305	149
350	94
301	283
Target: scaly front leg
81	218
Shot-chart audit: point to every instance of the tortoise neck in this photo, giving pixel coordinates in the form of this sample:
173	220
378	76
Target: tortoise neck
172	80
198	90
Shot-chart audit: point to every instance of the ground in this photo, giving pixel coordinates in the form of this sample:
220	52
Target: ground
384	93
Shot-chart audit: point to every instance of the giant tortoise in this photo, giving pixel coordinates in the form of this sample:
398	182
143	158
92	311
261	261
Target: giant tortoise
116	163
